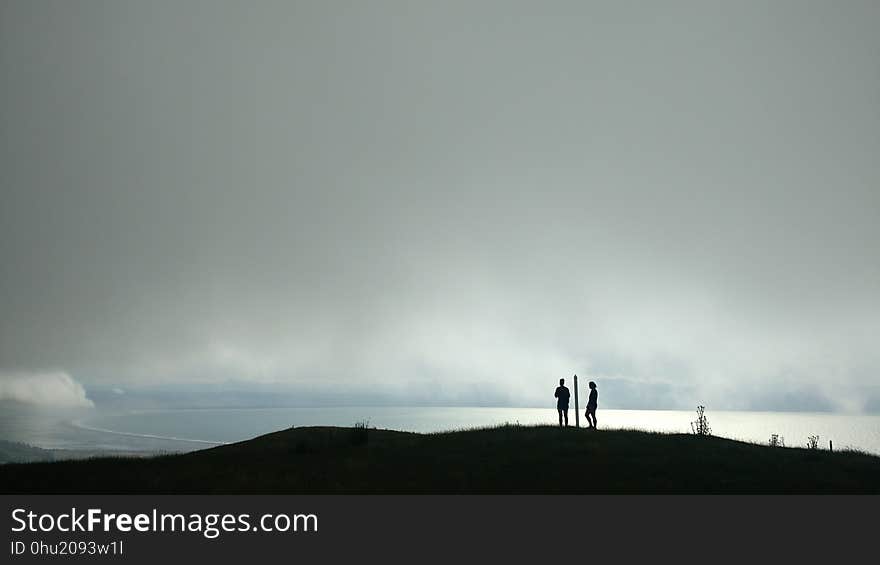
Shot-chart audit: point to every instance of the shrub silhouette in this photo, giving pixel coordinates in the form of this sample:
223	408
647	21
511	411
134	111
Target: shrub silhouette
700	426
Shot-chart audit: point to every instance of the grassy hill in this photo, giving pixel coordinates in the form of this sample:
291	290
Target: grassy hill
507	459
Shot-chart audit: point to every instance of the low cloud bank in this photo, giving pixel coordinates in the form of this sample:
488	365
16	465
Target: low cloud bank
54	388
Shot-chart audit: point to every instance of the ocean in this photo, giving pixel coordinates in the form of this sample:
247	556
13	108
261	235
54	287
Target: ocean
187	430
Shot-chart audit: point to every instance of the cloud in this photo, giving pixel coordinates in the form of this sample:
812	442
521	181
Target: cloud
429	202
54	388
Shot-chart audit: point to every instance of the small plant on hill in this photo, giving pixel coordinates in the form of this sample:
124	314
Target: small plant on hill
360	433
812	442
776	440
700	426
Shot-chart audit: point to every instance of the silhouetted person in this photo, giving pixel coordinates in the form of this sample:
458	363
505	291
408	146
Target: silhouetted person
592	403
562	396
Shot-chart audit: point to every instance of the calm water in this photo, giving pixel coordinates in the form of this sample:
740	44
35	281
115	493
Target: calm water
183	430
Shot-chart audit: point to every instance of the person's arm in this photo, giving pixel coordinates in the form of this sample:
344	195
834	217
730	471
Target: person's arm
556	393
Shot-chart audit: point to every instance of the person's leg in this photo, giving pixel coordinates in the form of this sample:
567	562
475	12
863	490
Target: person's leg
566	417
560	416
593	417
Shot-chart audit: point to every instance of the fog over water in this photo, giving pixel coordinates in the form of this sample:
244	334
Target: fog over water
444	203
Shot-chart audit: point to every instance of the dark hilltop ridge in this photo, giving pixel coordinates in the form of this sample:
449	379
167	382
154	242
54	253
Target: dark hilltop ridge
504	459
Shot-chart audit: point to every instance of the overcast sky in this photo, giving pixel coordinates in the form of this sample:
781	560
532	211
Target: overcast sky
443	201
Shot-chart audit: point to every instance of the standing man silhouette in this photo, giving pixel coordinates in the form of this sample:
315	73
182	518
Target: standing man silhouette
562	396
591	406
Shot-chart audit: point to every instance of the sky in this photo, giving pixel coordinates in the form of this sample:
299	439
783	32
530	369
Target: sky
454	202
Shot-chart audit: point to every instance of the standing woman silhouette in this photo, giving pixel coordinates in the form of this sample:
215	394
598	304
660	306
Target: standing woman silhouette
591	406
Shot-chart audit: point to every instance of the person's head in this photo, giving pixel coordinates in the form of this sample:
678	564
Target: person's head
561	382
592	384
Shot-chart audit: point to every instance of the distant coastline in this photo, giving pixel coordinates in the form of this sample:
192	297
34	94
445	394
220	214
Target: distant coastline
81	425
17	452
185	429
